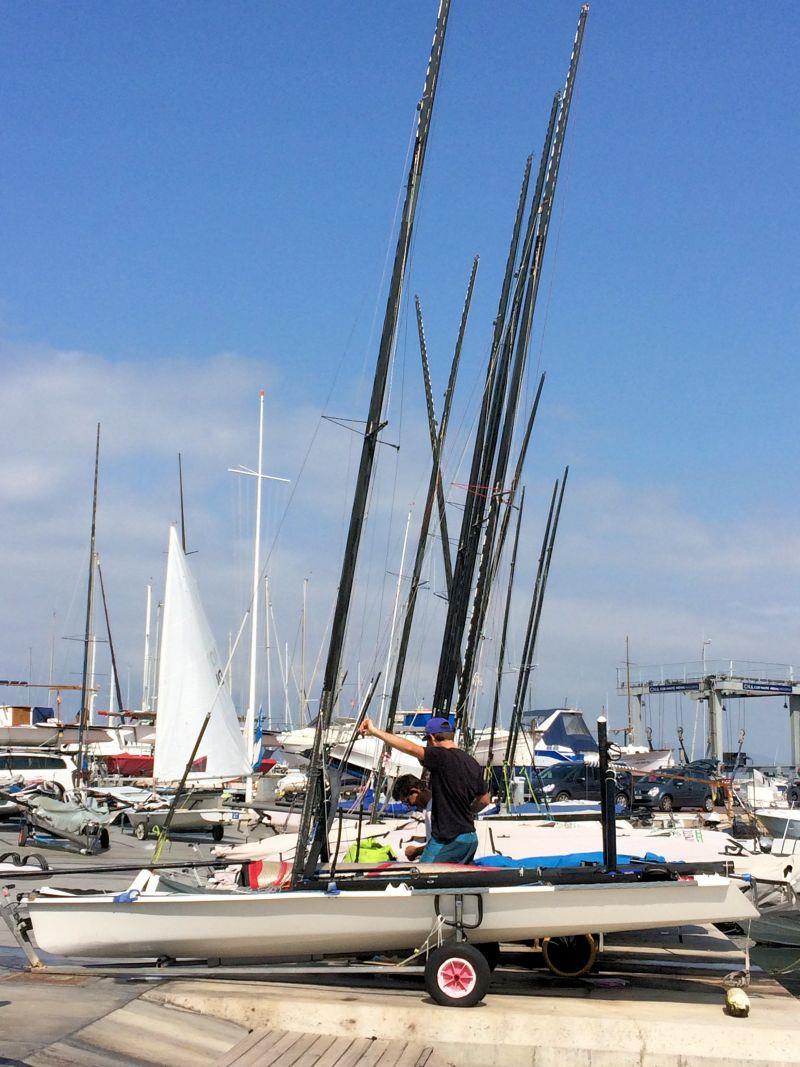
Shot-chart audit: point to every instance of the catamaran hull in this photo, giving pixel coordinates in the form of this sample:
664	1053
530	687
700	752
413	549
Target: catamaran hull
262	925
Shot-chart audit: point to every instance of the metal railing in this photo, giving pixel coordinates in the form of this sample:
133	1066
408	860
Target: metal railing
697	670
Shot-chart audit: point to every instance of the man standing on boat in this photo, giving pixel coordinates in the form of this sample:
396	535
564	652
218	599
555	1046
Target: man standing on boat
458	789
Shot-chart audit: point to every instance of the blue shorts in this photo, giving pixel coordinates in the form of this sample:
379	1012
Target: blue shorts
461	849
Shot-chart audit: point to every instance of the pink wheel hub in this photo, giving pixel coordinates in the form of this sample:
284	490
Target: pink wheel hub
456	977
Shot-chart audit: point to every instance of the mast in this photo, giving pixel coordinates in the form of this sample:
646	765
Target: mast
487	475
146	671
435	449
250	716
503	635
526	665
434	481
268	651
315	793
183	518
84	712
629	730
458	600
384	695
114	671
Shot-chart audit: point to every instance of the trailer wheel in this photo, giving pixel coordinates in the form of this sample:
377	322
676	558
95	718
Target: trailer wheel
491	952
140	830
217	832
457	975
708	804
571	956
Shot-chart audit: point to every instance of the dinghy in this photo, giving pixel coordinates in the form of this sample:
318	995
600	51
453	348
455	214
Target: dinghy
375	910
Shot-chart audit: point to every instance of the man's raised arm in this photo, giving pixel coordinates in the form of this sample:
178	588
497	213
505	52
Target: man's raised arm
402	744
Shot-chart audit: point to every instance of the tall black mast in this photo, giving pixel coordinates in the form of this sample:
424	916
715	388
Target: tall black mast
529	649
83	719
490	480
433	485
117	685
305	860
481	481
501	659
451	643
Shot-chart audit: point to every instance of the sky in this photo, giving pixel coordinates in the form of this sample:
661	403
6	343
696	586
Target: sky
198	201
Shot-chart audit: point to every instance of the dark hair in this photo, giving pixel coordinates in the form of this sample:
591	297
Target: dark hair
404	785
443	737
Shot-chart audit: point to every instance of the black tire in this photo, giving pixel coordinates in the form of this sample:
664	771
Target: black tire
457	975
563	795
622	801
22	838
105	840
708	804
491	952
665	804
571	956
140	830
217	833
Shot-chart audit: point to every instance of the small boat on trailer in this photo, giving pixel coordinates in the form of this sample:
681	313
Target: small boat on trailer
364	909
455	917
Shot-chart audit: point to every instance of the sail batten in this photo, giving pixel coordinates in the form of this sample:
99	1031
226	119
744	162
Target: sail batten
190	682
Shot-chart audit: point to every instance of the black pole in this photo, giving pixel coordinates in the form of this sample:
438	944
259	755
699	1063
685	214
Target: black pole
483	482
84	712
608	789
315	794
523	451
110	642
516	708
451	639
433	484
504	633
436	448
528	279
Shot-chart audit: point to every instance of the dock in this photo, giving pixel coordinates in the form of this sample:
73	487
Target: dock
655	999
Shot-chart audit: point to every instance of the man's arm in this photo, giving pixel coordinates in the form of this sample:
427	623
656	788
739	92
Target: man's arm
479	803
402	744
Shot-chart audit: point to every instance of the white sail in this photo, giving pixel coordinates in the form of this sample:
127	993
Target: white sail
189	680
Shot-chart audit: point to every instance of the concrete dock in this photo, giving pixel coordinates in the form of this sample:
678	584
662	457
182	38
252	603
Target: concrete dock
655	999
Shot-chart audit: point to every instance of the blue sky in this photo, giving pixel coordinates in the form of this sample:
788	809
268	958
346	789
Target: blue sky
198	201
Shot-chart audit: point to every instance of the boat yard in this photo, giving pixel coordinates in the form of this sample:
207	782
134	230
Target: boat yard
654	998
188	882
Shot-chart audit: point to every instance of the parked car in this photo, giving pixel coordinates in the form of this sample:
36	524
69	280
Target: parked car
581	781
681	787
30	765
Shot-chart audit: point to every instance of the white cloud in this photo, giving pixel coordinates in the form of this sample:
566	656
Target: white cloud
652	562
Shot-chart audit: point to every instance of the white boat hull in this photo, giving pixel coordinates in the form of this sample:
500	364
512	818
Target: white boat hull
780	822
260	925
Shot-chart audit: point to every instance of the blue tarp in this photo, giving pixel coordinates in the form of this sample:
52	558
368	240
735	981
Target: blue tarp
570	859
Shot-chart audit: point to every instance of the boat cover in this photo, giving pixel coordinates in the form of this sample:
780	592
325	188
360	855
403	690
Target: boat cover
570	859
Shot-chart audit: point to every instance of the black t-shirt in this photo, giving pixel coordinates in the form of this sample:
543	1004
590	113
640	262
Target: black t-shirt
456	782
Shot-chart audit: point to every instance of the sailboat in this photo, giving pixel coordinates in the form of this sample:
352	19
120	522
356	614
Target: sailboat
190	682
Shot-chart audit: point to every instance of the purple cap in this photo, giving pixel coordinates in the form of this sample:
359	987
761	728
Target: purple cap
438	726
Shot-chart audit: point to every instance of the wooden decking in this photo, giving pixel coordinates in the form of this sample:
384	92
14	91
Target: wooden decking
287	1048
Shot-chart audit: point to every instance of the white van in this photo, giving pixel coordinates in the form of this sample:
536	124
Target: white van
35	765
